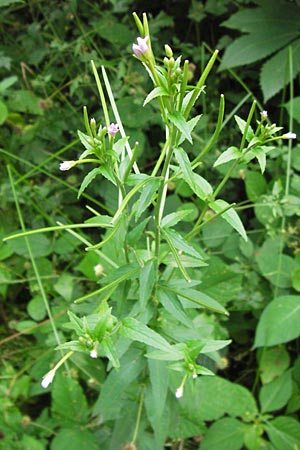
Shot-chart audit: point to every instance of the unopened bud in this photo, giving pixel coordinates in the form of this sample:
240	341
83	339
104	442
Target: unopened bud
169	51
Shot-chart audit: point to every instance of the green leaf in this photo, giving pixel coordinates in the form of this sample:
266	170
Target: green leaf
7	82
277	269
230	216
179	121
230	154
293	108
39	245
284	433
67	391
3	112
172	219
146	197
138	331
36	308
227	433
113	391
180	243
276	394
170	302
72	439
213	397
279	322
260	154
110	352
273	362
156	92
197	183
256	185
198	298
155	400
147	282
275	73
191	125
88	179
242	126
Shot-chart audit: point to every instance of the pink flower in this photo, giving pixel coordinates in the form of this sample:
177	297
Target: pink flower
141	47
113	129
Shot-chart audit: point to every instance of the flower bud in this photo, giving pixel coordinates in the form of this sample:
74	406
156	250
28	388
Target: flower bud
169	51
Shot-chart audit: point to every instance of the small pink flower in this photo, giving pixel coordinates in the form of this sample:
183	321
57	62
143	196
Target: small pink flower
141	47
264	114
113	129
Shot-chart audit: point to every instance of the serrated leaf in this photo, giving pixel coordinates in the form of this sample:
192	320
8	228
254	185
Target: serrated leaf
170	302
173	218
146	197
230	216
275	73
179	121
156	92
88	179
191	125
230	154
147	281
180	243
197	183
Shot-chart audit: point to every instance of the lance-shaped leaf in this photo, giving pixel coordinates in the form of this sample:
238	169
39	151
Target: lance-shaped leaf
138	331
179	121
230	215
230	154
156	92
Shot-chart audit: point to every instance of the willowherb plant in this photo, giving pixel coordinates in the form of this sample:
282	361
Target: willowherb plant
151	317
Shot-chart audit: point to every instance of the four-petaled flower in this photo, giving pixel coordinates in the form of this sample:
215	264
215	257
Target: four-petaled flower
264	114
48	378
113	129
67	165
141	47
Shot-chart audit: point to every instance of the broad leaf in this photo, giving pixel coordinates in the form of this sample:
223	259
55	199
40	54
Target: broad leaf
227	433
279	322
276	394
284	433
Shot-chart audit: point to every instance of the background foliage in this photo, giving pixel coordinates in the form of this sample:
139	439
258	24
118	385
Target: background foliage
253	401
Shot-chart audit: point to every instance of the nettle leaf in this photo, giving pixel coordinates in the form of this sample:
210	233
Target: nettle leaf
230	216
179	121
275	73
156	92
279	322
230	154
